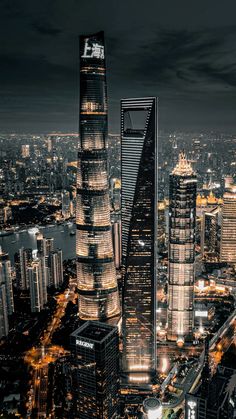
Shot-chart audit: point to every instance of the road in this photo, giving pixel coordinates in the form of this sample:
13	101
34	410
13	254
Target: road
40	357
218	345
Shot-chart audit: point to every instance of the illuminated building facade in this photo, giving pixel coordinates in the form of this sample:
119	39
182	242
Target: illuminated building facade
209	227
6	293
182	225
96	349
228	228
6	279
22	258
25	150
55	263
97	284
37	284
139	236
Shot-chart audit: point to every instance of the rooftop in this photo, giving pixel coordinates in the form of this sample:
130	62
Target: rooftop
183	167
94	331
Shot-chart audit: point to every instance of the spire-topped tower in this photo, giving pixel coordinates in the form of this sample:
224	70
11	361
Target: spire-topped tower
182	224
183	166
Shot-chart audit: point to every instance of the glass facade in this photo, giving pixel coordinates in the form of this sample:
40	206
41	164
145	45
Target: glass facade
182	225
228	228
139	236
97	284
95	346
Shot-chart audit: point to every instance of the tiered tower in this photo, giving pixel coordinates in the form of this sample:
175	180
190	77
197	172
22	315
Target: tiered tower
182	225
97	284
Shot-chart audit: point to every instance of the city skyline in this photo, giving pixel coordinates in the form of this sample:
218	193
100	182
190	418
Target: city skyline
118	251
183	55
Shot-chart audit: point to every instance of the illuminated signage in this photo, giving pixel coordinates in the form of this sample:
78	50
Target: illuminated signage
84	344
93	50
192	409
201	313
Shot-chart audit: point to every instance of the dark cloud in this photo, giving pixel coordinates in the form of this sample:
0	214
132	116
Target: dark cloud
46	29
184	53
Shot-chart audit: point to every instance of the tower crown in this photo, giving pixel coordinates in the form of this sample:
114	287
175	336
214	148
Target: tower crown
183	167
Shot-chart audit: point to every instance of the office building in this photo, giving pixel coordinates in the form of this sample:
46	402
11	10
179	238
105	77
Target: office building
55	263
209	233
139	236
95	346
6	279
116	238
45	245
4	324
214	400
22	258
25	150
182	225
37	284
97	284
65	204
228	227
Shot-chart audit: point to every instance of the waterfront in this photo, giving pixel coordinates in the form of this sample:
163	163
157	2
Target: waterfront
27	238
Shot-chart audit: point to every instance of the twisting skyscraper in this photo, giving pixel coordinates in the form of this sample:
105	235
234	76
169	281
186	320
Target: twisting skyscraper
139	236
182	223
97	284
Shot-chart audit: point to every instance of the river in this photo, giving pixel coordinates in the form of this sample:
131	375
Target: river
61	234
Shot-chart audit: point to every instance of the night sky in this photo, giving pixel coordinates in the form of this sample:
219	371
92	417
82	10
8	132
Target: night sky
182	51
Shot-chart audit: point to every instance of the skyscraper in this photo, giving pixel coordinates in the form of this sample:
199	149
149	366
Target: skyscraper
209	243
6	293
228	228
139	236
218	401
45	246
96	349
37	283
22	258
6	279
56	268
4	324
182	224
97	284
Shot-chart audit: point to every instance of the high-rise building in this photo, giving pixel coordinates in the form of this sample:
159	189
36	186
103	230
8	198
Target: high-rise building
38	285
25	150
6	279
65	204
228	227
56	268
116	238
22	258
4	324
96	349
181	269
209	236
139	236
97	284
215	403
45	245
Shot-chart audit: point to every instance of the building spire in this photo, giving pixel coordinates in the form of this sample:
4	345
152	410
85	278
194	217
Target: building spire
183	167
